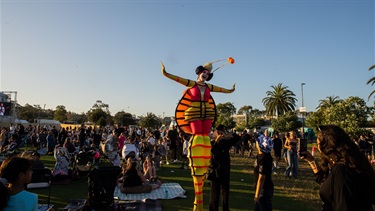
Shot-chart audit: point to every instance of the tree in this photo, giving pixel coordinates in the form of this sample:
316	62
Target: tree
245	110
255	122
224	115
60	113
99	111
124	118
371	81
279	101
150	121
29	112
287	122
328	102
350	114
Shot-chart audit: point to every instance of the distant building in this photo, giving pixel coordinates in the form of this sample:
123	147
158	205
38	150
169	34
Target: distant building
240	119
3	97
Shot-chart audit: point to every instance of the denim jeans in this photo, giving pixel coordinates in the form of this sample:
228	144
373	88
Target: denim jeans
292	164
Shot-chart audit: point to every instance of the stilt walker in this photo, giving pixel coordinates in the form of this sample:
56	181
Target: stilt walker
195	114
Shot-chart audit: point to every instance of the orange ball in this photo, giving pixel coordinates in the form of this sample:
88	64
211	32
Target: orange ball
231	60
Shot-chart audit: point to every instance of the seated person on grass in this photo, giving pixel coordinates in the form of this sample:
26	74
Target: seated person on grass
61	169
149	169
133	181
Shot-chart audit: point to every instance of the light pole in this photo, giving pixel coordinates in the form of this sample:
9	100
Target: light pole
303	110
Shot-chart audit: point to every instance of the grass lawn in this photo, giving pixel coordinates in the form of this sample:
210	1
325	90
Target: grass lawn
290	194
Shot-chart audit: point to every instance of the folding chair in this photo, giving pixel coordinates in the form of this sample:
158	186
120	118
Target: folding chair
41	179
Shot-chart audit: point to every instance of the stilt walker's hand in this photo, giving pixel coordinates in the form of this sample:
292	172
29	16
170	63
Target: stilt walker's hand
233	87
163	68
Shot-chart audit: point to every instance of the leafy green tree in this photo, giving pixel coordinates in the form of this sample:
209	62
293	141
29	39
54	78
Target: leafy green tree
29	112
101	121
279	101
255	122
287	122
245	110
60	113
124	118
350	114
315	119
224	115
99	111
150	121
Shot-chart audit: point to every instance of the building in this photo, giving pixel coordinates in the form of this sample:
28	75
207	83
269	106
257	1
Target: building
240	119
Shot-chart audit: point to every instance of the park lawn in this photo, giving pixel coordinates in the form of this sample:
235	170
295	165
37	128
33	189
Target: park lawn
290	194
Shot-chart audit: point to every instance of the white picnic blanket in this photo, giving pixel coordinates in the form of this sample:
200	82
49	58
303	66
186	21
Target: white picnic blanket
165	191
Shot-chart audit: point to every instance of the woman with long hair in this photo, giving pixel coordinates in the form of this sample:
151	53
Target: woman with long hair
346	176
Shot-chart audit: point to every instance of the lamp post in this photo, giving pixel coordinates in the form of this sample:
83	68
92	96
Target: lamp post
303	110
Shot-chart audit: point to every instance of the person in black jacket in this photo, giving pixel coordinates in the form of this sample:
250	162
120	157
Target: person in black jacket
263	173
346	177
221	144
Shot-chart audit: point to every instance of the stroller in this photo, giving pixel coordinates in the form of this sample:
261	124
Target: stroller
84	160
101	185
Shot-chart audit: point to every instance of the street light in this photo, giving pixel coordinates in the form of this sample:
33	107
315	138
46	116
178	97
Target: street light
303	110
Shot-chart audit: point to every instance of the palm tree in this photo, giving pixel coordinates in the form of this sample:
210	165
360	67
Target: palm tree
150	121
328	102
371	81
279	101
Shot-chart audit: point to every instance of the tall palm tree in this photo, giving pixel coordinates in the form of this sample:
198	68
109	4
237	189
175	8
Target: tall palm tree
328	102
371	81
279	101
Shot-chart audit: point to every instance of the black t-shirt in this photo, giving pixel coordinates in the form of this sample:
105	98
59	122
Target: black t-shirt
245	138
277	144
131	178
345	189
263	165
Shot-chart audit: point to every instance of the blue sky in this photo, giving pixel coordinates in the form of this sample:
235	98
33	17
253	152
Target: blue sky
73	53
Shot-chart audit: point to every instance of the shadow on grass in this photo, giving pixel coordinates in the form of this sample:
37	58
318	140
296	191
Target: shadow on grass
300	194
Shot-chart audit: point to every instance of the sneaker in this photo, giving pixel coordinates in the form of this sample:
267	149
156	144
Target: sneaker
167	163
274	173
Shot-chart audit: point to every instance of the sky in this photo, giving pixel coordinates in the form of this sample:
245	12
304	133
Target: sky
74	53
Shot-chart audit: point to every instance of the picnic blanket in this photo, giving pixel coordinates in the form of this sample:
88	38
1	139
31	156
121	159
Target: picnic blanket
165	191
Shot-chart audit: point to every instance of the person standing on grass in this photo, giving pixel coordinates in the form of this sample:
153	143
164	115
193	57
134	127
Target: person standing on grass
185	149
277	147
220	160
263	174
173	138
291	154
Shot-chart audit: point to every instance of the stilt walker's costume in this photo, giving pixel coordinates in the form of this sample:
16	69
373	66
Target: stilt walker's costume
195	114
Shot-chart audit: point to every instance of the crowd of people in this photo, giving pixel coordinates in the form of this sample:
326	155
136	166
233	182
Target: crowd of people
344	171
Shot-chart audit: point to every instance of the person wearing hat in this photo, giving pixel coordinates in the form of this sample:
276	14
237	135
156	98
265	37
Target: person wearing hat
220	161
194	115
263	173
